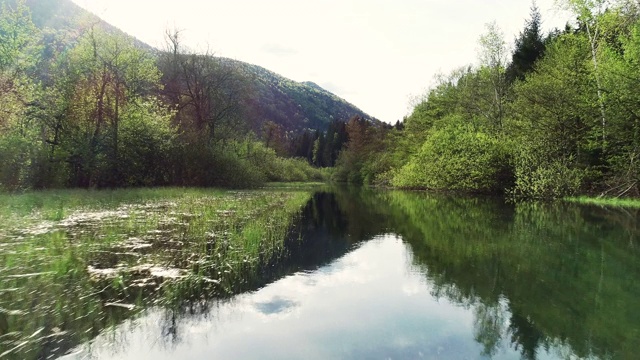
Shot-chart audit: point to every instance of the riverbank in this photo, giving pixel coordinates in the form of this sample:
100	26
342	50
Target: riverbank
611	202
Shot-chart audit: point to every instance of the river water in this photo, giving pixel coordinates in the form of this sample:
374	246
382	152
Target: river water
408	276
401	275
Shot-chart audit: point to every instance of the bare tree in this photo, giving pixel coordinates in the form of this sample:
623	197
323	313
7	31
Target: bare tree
205	90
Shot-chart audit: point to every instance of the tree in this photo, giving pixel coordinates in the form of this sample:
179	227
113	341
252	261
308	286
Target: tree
318	150
554	116
275	138
205	90
529	47
493	52
357	162
620	73
588	12
18	40
108	77
21	143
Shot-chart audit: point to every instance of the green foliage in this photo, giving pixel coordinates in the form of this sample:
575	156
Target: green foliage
18	38
559	119
538	176
529	47
147	140
95	111
358	162
457	157
567	125
21	148
620	71
280	169
556	123
17	153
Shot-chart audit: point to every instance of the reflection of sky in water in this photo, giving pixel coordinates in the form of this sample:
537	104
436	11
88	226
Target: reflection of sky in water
275	306
367	304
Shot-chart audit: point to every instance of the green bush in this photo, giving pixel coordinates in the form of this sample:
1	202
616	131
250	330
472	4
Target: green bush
14	155
457	157
538	175
279	169
236	171
146	142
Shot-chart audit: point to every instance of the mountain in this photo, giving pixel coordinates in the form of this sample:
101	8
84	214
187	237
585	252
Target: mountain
67	20
295	106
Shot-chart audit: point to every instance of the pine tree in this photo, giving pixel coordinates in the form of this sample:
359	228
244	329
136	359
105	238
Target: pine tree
529	48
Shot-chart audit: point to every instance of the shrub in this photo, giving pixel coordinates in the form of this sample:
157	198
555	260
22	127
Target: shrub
539	175
457	157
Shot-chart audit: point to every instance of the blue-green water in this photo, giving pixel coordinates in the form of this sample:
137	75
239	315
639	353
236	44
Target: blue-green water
393	275
364	275
369	304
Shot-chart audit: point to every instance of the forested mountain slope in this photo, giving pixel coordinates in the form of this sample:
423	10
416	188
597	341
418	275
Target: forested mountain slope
295	106
84	105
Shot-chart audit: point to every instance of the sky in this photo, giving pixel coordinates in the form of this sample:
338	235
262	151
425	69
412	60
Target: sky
380	55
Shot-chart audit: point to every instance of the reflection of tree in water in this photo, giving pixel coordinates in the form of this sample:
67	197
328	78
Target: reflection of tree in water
329	226
531	274
534	274
524	336
490	326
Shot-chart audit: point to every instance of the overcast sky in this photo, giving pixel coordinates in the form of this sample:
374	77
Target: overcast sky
376	54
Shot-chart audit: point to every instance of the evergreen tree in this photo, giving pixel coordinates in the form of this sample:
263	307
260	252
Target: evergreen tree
529	47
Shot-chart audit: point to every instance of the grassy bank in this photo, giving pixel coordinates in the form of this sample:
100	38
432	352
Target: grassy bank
74	262
613	202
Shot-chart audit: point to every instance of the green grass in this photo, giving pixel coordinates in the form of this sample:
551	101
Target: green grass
611	202
66	255
293	185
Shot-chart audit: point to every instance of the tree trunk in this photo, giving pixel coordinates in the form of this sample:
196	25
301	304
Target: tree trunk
594	58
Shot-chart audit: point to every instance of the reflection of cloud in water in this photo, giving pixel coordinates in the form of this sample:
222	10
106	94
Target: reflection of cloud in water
366	304
276	305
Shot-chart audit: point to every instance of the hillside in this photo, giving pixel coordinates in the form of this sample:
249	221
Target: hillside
64	21
295	106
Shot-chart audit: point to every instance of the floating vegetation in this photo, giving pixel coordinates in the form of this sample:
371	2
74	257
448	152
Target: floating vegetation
73	263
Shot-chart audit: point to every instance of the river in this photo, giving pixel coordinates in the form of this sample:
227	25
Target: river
403	275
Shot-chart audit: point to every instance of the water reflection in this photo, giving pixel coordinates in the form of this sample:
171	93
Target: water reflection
363	305
543	276
275	306
410	275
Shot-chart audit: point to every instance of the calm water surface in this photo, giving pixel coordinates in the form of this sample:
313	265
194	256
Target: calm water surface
369	304
395	275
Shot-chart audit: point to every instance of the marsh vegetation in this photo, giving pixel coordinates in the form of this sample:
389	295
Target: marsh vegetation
74	262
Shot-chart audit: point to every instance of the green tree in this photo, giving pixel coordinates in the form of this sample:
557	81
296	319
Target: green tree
620	73
21	143
108	78
493	60
457	156
555	113
588	13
